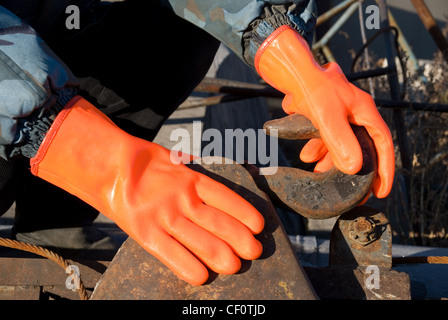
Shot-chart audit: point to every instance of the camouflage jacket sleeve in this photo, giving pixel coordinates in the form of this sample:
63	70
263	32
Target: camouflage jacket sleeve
34	87
244	24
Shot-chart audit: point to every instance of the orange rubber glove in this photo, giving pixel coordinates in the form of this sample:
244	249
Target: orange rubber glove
324	95
185	219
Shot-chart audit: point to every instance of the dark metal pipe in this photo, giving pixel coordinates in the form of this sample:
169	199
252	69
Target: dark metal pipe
432	27
414	106
369	73
398	116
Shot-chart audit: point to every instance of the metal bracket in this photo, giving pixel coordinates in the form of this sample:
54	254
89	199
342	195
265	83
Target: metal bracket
361	260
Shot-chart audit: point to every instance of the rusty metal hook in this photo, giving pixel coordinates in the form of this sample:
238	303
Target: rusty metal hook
316	195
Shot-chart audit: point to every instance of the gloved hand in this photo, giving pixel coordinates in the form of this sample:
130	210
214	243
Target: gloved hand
324	96
185	219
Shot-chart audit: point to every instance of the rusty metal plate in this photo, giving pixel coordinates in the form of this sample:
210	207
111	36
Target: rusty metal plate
277	274
347	282
362	236
30	278
20	292
360	251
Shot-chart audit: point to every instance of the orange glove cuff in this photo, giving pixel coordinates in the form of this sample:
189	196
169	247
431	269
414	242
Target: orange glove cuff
273	63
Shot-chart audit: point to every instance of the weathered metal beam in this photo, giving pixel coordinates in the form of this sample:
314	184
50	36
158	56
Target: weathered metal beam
28	278
229	91
349	283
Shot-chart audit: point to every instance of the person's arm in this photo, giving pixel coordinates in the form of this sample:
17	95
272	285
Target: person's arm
243	25
34	86
187	220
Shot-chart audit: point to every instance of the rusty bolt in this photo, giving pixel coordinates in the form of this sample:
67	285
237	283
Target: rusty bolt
362	230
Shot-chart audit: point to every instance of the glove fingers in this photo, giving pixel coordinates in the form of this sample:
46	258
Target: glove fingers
176	257
382	139
324	164
222	198
342	144
313	150
211	250
230	230
386	160
288	104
